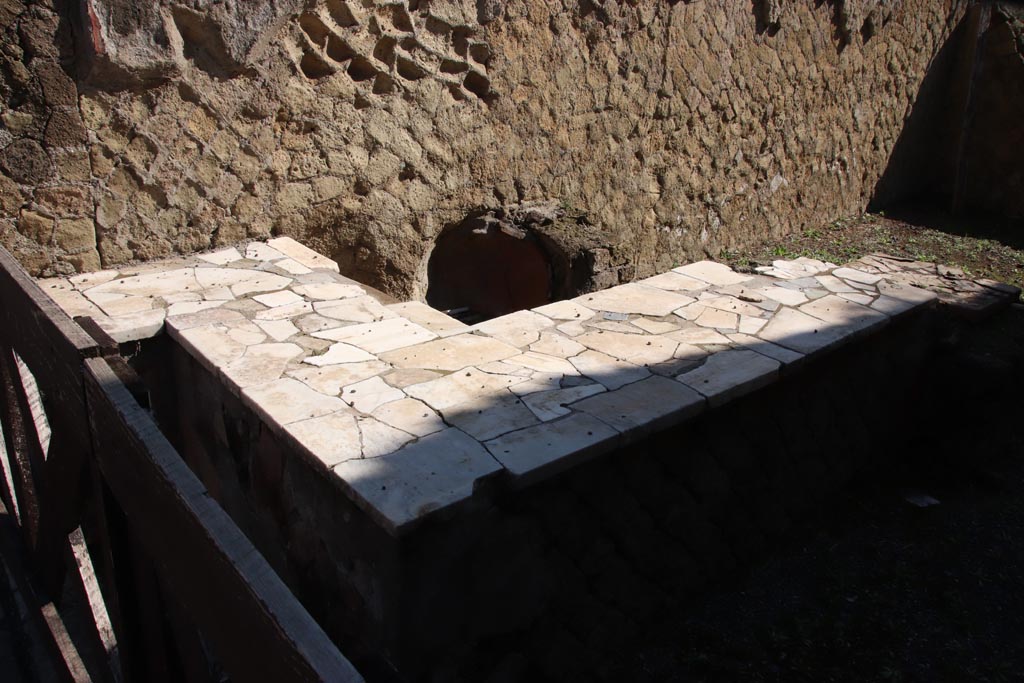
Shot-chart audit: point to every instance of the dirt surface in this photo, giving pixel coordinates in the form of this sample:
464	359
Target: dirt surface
982	246
876	588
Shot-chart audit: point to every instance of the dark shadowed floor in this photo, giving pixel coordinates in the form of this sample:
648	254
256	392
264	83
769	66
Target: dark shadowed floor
878	589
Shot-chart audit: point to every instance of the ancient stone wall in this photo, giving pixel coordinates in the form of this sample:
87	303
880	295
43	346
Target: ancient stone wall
993	173
47	183
132	130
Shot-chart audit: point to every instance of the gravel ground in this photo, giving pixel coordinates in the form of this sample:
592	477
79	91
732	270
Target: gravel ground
984	247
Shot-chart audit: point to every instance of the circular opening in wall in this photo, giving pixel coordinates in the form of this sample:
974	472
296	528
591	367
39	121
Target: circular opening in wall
484	268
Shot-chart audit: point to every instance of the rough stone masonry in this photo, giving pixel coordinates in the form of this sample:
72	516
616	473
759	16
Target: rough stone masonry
138	129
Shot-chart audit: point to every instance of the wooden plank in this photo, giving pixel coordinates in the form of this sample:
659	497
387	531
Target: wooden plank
140	653
18	444
108	345
131	380
69	652
47	623
46	539
52	346
58	462
195	668
48	341
111	350
254	625
7	473
20	289
96	522
149	609
88	623
46	657
66	485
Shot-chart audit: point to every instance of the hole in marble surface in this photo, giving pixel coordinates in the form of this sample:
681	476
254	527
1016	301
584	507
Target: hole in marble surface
479	271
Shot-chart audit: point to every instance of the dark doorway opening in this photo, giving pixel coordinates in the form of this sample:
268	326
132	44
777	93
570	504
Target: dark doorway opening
481	270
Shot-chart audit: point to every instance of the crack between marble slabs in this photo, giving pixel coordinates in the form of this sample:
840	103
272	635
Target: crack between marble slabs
362	441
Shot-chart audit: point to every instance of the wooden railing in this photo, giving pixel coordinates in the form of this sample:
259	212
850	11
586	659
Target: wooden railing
124	567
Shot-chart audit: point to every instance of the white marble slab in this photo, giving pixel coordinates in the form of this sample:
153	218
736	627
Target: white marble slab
412	408
675	282
644	407
410	415
731	374
430	474
328	439
464	387
787	357
240	281
360	309
543	450
378	439
429	318
566	310
519	329
451	353
260	363
712	273
847	315
557	345
611	372
288	400
855	275
329	291
801	332
639	349
380	337
278	330
555	403
485	418
301	253
329	379
369	394
134	326
221	257
276	299
340	353
635	298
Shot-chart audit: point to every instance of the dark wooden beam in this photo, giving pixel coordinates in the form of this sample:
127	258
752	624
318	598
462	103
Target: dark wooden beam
254	625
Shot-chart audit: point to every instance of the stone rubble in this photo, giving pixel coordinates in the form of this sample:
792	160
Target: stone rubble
409	408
